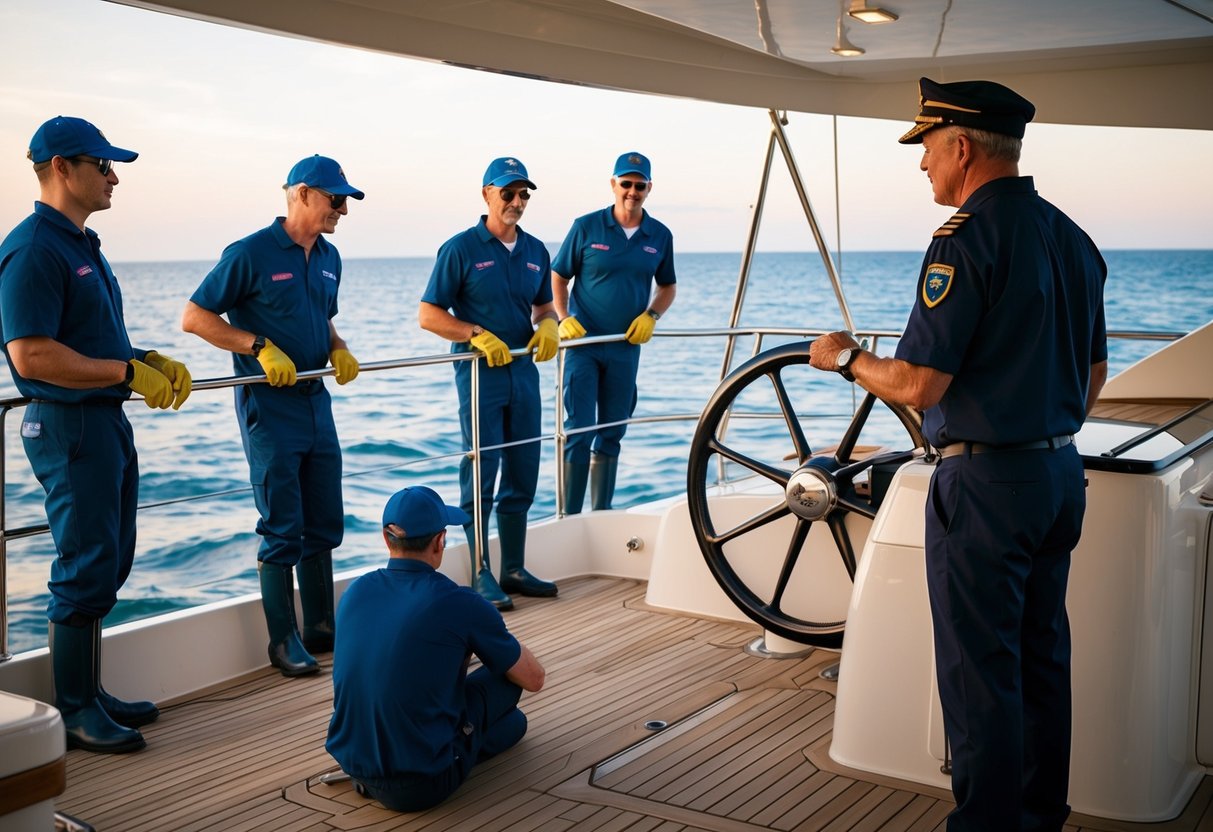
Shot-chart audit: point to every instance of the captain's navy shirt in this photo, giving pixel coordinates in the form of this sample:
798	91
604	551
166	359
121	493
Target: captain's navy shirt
482	282
612	272
267	285
55	282
405	635
1010	302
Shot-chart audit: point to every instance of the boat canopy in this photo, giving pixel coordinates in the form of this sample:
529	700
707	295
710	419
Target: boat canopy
1130	63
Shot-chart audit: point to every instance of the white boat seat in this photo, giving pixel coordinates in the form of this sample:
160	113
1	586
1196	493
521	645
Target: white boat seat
33	763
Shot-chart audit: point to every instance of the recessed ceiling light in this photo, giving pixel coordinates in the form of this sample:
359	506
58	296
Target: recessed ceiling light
868	14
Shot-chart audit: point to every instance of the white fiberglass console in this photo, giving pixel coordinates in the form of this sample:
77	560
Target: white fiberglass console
1137	605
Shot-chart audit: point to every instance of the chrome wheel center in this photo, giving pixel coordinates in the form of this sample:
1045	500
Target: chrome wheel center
811	494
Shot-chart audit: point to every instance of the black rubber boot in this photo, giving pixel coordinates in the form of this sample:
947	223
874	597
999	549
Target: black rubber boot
316	598
482	575
286	651
575	476
131	714
511	531
76	664
602	481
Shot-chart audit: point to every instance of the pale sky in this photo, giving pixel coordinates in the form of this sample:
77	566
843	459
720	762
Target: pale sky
219	115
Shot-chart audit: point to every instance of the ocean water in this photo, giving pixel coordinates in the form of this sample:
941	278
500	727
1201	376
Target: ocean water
400	427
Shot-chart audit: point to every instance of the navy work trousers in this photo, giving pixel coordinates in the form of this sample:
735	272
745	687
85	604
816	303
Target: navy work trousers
295	469
493	723
84	456
1000	527
599	387
509	411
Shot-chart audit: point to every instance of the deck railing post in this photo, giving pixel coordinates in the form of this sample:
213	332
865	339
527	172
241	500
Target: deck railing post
478	519
558	410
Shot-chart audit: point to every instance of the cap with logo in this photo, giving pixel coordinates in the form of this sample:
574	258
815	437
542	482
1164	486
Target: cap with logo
982	105
419	511
633	163
506	171
68	136
323	174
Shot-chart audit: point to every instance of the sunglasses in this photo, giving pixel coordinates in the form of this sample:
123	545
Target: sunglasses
335	200
628	184
103	165
508	194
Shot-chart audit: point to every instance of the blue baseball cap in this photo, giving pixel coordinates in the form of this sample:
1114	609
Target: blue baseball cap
633	163
419	511
324	174
67	136
506	170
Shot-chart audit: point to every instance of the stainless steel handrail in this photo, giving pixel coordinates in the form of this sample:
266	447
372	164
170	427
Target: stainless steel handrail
6	405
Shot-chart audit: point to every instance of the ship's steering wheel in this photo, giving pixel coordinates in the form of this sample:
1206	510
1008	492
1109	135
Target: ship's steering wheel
819	488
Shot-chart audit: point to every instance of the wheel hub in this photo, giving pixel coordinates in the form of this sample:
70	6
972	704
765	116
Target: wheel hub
810	493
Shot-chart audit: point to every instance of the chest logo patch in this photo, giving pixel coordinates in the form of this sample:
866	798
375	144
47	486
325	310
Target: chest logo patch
328	274
281	276
936	284
650	250
484	264
600	246
533	267
84	270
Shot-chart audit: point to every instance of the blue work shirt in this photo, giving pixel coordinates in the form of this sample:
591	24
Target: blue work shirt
482	282
405	635
1010	302
267	285
55	282
612	272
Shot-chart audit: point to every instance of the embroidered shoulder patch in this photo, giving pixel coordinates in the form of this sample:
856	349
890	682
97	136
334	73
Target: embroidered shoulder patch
949	227
936	283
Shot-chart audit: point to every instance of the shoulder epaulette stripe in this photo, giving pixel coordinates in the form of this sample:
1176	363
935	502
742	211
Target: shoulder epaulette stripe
949	227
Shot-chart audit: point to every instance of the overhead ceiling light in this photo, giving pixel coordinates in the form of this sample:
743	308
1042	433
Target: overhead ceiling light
843	48
861	11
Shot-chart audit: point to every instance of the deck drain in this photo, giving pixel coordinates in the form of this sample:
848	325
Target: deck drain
655	724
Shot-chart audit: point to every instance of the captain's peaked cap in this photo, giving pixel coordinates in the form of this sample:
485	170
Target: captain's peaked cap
982	105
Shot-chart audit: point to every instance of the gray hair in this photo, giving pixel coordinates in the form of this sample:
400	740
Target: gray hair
995	145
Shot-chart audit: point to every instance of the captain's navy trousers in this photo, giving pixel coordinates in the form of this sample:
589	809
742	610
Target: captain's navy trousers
295	469
1000	527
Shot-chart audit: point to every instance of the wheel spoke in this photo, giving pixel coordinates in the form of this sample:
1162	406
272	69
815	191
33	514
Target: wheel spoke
854	503
789	560
847	444
799	442
756	522
837	524
772	473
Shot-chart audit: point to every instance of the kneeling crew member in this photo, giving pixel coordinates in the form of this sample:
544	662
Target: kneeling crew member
409	721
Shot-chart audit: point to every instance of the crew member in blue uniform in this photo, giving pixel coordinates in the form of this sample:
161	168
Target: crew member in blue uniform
490	291
278	288
1006	352
409	721
67	347
612	257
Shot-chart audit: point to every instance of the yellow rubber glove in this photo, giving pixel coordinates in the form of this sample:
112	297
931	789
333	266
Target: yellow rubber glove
153	385
279	368
641	329
345	364
494	349
177	374
571	328
545	341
